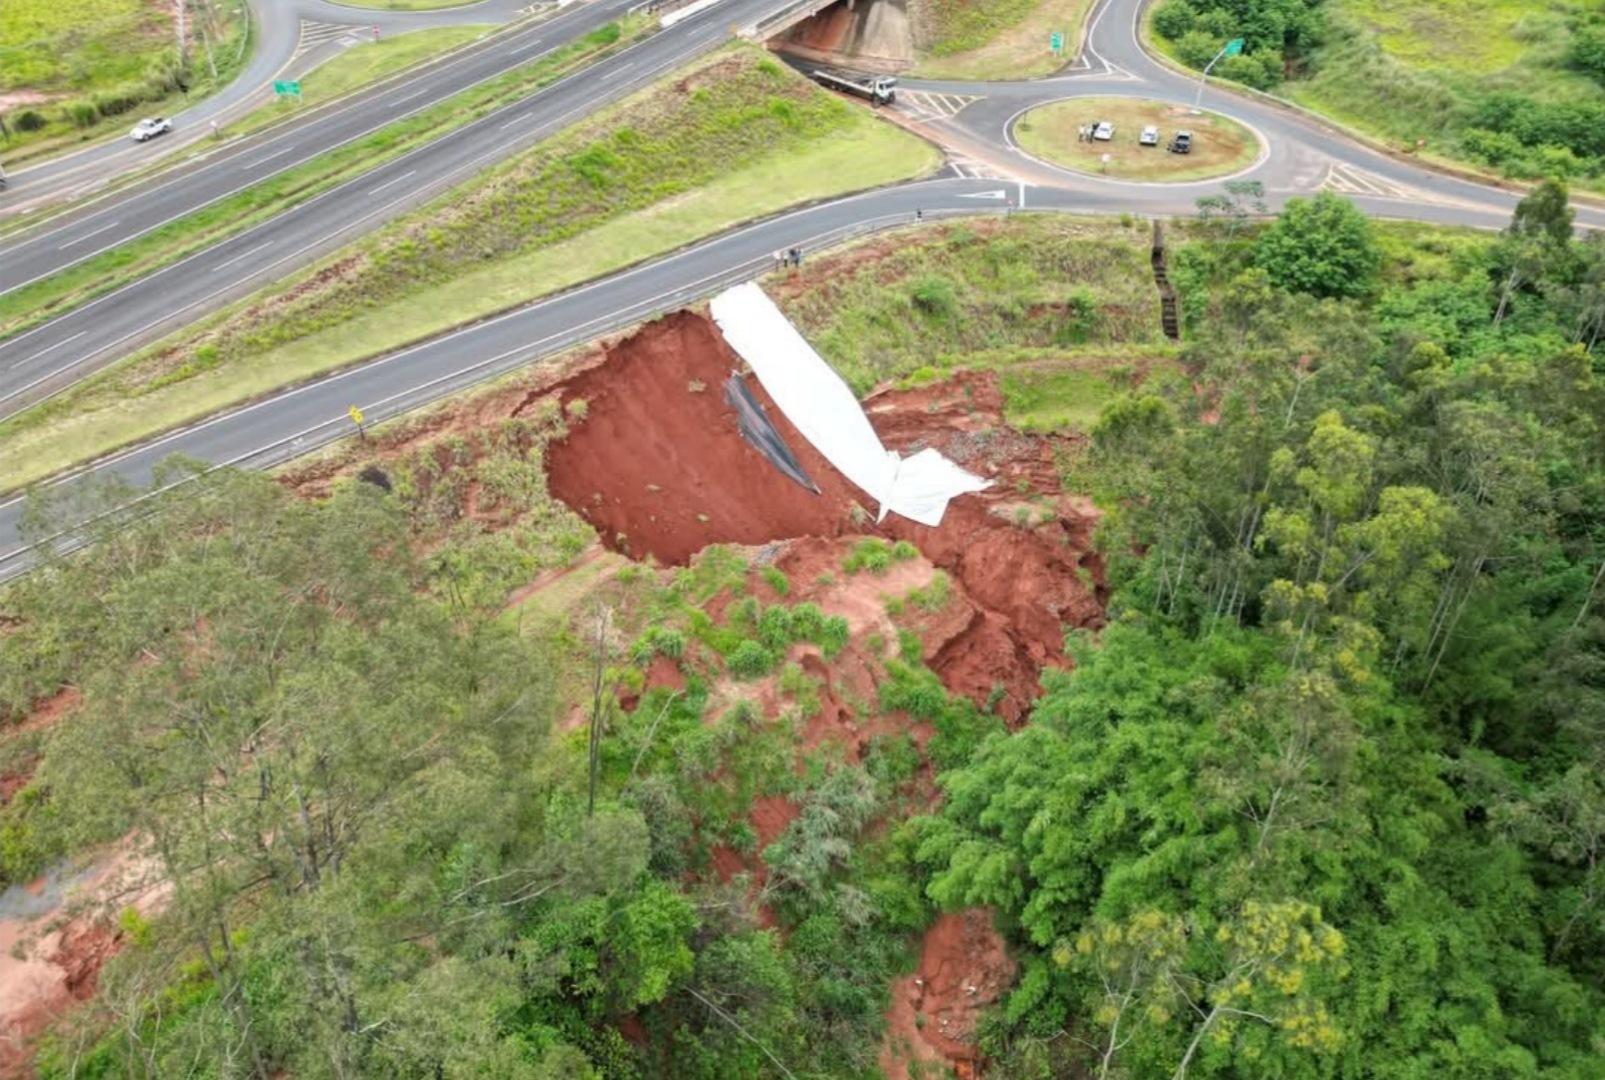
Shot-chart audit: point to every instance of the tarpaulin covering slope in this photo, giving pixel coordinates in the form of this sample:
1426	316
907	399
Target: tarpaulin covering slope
821	406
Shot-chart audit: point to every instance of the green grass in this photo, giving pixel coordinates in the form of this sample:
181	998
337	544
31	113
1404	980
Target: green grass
360	65
723	152
80	69
1220	146
921	303
1414	73
1005	51
78	284
1057	396
961	27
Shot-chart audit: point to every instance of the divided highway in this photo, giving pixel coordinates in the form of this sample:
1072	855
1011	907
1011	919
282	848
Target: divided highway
52	356
989	173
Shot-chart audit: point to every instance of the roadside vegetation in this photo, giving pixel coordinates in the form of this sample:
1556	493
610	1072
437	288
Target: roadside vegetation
32	304
360	65
73	70
735	138
1499	84
995	41
1221	146
1320	799
919	305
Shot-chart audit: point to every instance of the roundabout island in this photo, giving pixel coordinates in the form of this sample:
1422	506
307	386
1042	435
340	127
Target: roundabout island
1148	141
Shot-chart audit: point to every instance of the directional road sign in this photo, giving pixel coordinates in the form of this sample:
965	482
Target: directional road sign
1233	47
287	87
1056	41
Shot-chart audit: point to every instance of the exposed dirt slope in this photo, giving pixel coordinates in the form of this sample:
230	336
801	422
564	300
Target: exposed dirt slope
658	467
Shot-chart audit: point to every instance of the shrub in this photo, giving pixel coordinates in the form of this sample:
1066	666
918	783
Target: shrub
29	120
1323	246
750	660
935	295
776	581
871	554
82	113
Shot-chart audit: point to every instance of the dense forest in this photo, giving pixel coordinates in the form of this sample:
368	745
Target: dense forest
1324	797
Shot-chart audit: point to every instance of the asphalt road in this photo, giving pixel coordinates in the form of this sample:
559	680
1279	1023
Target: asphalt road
987	173
56	354
277	48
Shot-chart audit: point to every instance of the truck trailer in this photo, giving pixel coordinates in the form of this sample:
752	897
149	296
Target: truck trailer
878	89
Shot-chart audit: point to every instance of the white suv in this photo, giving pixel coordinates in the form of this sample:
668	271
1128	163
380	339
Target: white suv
1104	131
150	128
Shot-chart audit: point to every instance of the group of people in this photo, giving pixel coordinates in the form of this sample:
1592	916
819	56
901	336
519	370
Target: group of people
789	257
1084	132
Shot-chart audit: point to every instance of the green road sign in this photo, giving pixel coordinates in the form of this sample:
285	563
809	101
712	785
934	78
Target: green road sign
1234	46
283	87
1056	41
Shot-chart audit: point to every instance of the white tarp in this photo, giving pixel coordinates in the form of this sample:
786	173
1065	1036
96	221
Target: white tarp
821	406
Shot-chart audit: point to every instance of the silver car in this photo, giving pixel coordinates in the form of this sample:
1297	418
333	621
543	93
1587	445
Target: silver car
1149	136
1104	131
150	127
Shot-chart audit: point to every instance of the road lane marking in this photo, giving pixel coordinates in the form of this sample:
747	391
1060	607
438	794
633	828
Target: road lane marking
265	160
409	97
525	48
246	255
519	119
620	70
86	236
391	182
53	348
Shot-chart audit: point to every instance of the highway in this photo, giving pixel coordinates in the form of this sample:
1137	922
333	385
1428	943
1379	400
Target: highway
288	37
987	173
56	354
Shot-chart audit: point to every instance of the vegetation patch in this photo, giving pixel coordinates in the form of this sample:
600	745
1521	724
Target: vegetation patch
1510	86
998	41
72	70
1061	132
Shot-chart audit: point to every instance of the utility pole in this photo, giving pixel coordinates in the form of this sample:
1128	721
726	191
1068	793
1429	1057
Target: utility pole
1231	48
183	52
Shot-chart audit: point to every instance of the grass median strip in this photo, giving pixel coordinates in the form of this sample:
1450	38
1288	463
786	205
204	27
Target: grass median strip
59	293
735	138
1220	146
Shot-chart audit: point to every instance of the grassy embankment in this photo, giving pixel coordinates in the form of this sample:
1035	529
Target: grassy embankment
74	70
1221	146
1064	308
407	5
49	297
1008	39
738	137
1494	84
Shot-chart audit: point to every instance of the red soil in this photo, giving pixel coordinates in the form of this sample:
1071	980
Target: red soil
43	716
964	968
659	468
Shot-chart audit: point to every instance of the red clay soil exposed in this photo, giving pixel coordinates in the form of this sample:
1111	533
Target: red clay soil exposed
963	969
659	468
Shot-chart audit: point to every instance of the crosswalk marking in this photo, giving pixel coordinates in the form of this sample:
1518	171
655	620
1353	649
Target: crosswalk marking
929	105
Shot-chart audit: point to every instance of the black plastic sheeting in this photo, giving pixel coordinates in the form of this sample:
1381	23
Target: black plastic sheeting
761	434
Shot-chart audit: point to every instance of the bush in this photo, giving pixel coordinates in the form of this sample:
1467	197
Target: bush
82	113
1323	246
750	660
776	581
29	120
936	296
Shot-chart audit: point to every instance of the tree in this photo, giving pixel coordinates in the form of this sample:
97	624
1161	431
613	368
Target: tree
1242	198
1322	246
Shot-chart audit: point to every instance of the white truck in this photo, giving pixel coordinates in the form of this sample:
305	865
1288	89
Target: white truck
878	89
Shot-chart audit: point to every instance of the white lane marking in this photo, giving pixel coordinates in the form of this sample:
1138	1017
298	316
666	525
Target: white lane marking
519	119
53	348
270	157
450	60
620	70
409	97
86	236
525	48
245	255
985	195
392	181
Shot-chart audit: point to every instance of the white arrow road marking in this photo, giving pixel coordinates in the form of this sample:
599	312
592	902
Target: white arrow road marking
986	195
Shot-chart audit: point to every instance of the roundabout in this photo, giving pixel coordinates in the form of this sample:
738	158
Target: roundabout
1142	143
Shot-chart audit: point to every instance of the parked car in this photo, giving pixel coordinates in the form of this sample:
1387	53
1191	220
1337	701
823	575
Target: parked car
150	127
1149	136
1104	131
1182	143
